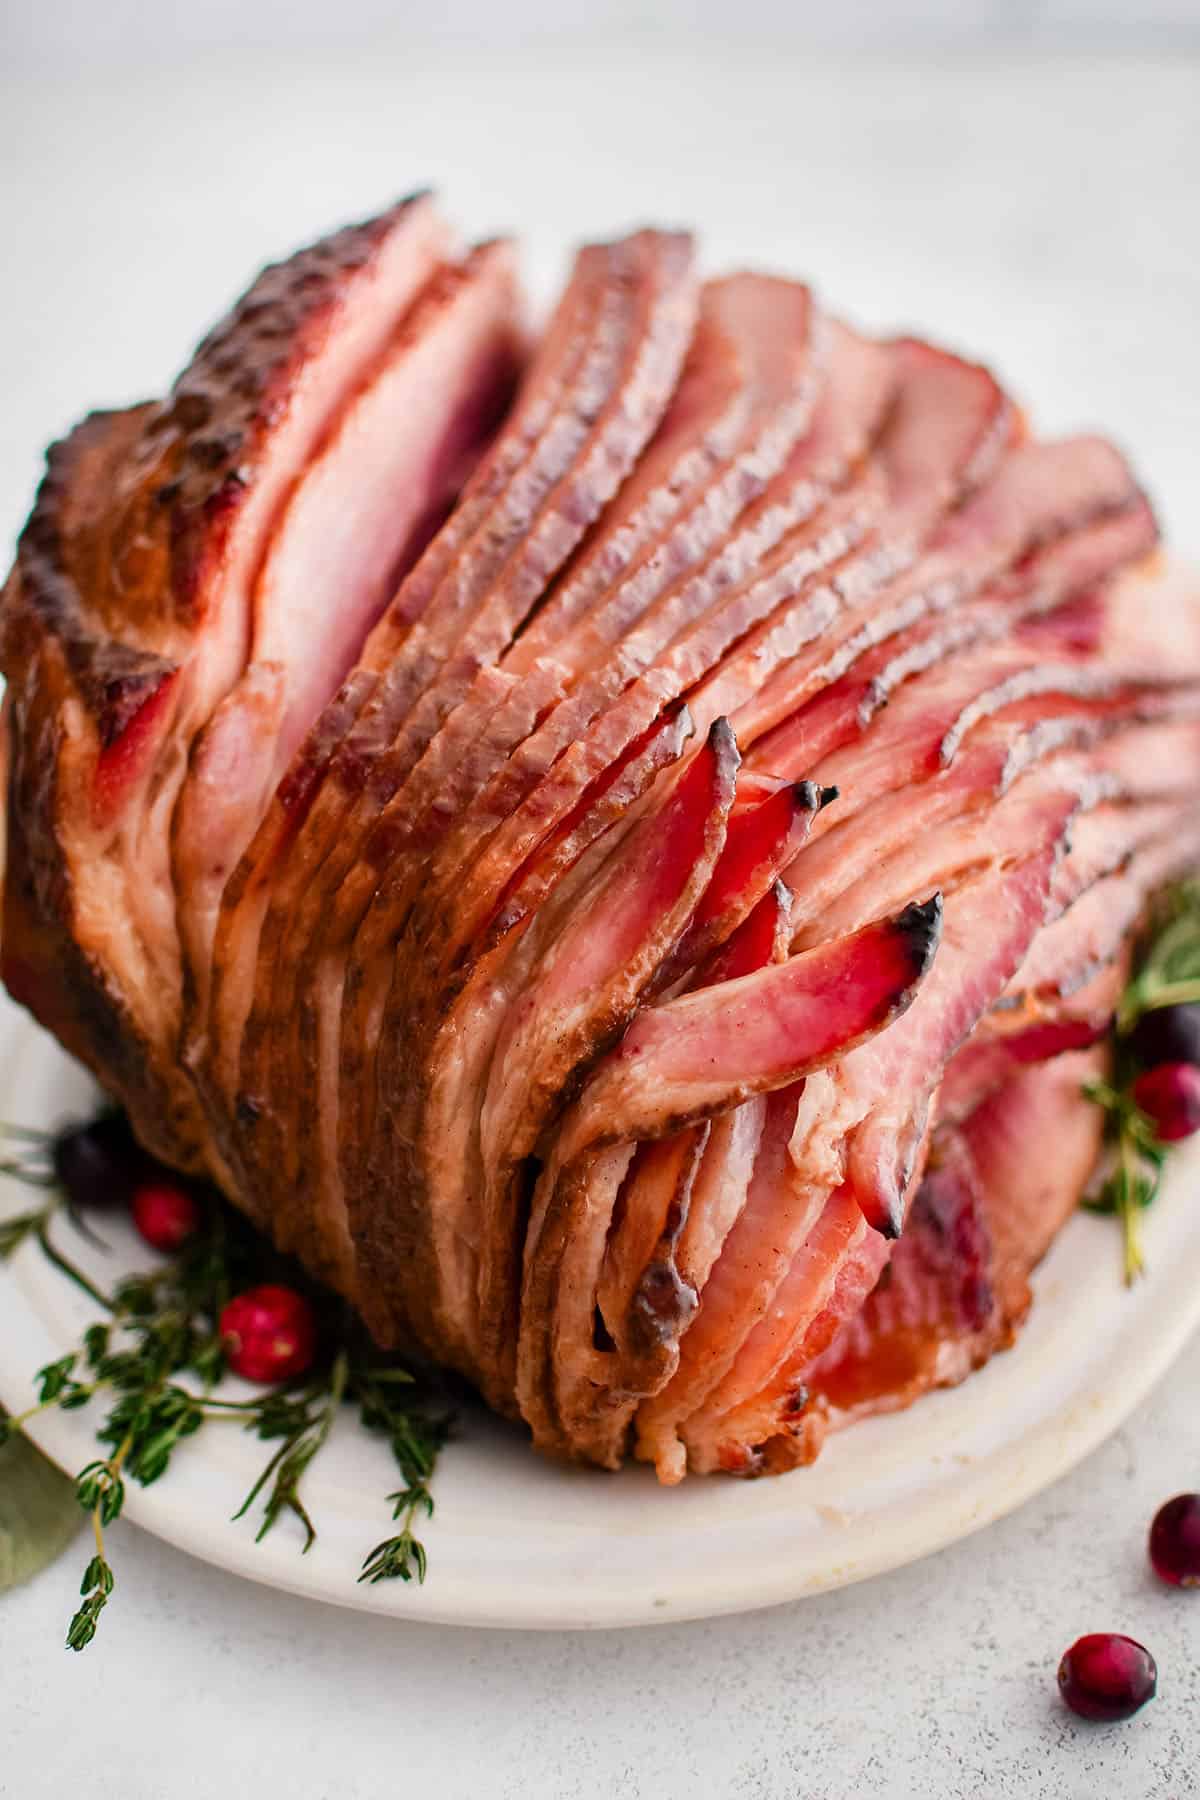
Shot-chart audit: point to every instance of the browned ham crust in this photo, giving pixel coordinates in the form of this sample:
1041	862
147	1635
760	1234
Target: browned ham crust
603	846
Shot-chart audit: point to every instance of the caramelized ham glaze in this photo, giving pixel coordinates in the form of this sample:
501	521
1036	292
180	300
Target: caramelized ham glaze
607	845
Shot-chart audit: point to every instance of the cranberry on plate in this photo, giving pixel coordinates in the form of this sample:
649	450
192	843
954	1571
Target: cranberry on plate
269	1333
1169	1095
165	1213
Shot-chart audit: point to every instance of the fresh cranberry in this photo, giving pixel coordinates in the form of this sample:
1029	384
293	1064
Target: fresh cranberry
1175	1541
1107	1676
1167	1034
98	1164
1169	1095
165	1213
270	1334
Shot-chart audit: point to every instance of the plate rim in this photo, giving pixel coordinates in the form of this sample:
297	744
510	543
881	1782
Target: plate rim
975	1496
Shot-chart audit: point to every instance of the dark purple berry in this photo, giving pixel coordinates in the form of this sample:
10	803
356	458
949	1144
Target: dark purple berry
1167	1034
1169	1095
97	1164
1107	1676
1175	1541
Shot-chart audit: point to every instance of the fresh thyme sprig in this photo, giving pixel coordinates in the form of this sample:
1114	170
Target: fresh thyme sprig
1166	973
1134	1179
415	1436
158	1357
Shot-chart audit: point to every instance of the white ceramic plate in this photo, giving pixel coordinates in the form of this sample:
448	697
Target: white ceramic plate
516	1542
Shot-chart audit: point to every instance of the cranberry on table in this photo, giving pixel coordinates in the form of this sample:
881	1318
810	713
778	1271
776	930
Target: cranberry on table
165	1213
1175	1541
1167	1034
98	1164
1169	1095
1107	1676
269	1333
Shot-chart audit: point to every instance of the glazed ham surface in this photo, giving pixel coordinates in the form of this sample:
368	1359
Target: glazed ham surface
607	844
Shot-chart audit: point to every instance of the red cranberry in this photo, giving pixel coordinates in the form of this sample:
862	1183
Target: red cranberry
97	1164
270	1334
1167	1034
1107	1676
165	1213
1169	1095
1175	1541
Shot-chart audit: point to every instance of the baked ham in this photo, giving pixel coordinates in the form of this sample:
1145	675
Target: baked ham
608	845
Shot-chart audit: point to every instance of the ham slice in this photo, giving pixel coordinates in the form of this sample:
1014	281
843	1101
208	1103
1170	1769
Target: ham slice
958	1284
605	847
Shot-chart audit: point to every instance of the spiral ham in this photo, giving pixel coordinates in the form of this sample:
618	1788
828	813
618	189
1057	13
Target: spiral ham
607	844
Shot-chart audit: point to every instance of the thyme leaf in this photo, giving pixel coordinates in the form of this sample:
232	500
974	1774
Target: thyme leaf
156	1360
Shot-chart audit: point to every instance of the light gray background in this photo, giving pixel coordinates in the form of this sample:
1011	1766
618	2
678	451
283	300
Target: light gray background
1036	205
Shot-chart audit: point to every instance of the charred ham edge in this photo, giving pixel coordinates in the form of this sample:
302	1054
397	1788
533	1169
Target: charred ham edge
651	277
620	298
761	841
610	809
357	519
958	1283
155	570
1008	1039
1052	518
627	901
864	1120
865	545
584	977
763	936
832	722
546	776
646	307
898	652
889	1076
1134	767
1134	763
678	1201
856	388
745	397
779	1210
69	955
949	430
686	1059
699	1054
592	1415
1028	711
314	804
1085	939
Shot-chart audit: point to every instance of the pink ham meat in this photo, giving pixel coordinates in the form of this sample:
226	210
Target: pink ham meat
131	606
368	502
858	532
958	1283
620	332
644	1292
602	846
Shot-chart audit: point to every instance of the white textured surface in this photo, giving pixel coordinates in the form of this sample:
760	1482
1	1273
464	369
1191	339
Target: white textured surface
1042	214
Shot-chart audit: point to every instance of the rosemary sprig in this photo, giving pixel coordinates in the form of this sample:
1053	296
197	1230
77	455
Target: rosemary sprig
158	1357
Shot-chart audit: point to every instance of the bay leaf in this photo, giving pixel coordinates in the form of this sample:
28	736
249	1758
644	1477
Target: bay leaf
39	1514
